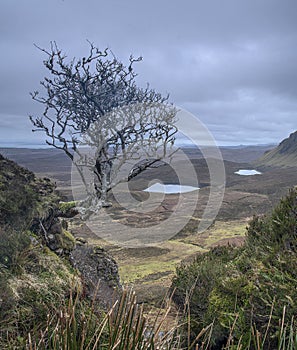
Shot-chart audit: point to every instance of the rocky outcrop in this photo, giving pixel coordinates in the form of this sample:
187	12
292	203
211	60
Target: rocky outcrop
32	205
23	197
284	155
289	145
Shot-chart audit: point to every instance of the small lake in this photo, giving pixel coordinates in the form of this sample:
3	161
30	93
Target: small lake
247	172
170	188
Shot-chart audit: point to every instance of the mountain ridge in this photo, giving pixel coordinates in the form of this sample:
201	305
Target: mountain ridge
284	155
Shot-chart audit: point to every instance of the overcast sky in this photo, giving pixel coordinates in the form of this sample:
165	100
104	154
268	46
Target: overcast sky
232	63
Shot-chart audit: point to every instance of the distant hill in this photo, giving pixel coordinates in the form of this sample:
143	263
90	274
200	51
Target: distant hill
284	155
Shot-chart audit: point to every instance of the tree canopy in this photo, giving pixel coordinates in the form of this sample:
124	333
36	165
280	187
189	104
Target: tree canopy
94	101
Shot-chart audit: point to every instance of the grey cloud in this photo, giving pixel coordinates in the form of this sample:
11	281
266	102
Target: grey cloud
232	63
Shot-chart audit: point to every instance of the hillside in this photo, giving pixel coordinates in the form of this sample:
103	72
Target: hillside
284	155
47	257
41	264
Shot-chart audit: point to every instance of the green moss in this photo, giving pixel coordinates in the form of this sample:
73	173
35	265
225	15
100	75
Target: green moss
50	253
66	240
64	207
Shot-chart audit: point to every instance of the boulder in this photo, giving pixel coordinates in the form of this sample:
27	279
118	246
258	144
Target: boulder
99	273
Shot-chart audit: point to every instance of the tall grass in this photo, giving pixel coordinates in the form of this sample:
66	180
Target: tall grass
124	327
286	334
287	337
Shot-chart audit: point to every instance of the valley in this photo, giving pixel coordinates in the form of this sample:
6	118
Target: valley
150	268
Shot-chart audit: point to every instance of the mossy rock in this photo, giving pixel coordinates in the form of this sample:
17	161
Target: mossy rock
62	241
67	209
66	240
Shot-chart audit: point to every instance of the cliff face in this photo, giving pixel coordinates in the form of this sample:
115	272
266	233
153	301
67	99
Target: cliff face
284	155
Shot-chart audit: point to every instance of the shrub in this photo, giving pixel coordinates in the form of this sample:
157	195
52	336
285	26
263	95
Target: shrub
244	292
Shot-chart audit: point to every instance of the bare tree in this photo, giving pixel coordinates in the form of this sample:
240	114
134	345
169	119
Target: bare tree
95	102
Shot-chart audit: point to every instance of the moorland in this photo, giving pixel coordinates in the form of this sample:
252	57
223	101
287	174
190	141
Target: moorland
150	268
229	286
